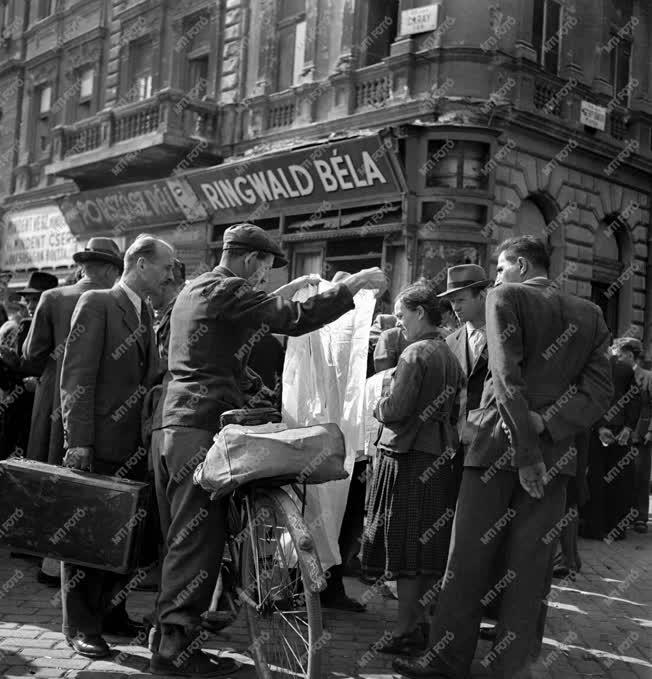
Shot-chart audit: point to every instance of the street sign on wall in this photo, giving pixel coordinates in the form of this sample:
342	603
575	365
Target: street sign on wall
419	19
593	116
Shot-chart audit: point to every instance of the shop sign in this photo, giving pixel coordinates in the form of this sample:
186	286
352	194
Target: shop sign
360	169
419	19
593	116
137	205
37	238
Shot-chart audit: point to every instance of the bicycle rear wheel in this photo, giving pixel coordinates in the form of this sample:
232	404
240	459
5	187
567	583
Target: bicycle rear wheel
282	603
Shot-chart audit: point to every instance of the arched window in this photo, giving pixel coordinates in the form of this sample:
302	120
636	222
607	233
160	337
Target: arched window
531	221
608	264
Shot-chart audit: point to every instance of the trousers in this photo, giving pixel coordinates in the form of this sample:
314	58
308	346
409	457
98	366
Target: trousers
88	595
193	527
496	515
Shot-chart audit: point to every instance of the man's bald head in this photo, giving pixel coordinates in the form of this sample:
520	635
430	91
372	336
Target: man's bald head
149	265
149	247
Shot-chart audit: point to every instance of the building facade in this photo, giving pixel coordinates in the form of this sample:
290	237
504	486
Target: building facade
408	134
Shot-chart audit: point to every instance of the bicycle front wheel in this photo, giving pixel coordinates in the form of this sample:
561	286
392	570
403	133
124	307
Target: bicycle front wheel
283	608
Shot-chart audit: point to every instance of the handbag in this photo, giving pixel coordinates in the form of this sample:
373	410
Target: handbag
272	454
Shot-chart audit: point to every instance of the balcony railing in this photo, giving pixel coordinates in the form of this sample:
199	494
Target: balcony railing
548	95
373	86
136	123
168	112
282	110
84	138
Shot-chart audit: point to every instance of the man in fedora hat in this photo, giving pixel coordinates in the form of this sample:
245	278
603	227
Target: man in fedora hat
43	349
213	323
101	264
549	379
465	290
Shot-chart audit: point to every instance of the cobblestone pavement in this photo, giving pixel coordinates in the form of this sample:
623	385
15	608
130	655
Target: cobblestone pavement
600	625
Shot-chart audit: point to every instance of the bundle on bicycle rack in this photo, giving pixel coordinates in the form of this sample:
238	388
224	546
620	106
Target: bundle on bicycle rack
273	454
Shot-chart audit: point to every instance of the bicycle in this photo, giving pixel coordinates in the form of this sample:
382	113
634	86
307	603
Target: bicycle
272	569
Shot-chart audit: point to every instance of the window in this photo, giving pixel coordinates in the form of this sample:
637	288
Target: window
42	119
547	33
198	76
379	31
140	70
196	41
85	97
42	9
291	36
621	57
456	165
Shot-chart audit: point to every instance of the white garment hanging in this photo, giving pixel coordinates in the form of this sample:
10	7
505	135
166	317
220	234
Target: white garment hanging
324	381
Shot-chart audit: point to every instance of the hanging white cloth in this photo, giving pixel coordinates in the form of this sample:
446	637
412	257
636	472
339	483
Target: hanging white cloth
324	381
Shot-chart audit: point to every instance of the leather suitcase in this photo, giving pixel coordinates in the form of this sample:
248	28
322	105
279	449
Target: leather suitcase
86	519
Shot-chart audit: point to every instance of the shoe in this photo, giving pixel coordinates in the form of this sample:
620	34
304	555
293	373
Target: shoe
90	646
405	644
559	572
640	527
122	626
353	569
341	602
418	668
198	665
488	633
49	580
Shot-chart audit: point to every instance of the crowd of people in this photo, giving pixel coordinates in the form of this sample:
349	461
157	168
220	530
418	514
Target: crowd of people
508	423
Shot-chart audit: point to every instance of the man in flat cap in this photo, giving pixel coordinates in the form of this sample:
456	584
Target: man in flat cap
212	323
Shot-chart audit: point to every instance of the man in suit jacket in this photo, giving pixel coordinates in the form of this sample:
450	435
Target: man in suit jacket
465	289
549	379
43	349
109	361
217	318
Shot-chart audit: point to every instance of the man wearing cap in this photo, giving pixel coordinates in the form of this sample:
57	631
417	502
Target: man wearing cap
549	379
101	264
214	322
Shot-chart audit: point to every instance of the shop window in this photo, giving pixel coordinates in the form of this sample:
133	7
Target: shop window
307	261
291	43
547	33
435	257
352	255
140	70
379	32
456	165
42	120
621	57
